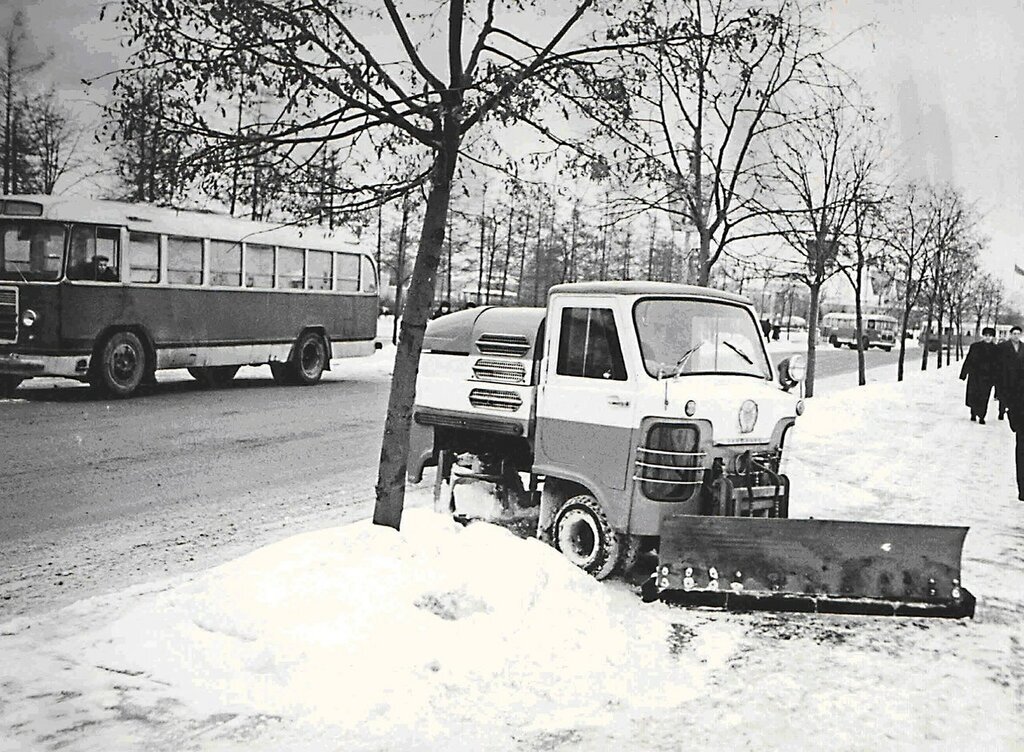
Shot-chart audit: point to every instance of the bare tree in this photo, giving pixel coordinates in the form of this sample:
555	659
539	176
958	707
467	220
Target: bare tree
702	102
364	78
15	69
817	184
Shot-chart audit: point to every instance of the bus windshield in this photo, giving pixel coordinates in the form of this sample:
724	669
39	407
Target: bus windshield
31	251
679	336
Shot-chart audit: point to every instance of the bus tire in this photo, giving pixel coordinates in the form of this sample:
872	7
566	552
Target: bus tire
213	377
583	535
122	364
8	383
310	359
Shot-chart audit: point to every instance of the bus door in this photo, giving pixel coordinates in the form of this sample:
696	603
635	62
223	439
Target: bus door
93	297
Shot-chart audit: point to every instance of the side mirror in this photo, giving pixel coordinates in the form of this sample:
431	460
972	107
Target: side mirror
792	371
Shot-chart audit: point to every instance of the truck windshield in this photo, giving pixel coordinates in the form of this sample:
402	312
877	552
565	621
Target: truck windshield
30	250
680	336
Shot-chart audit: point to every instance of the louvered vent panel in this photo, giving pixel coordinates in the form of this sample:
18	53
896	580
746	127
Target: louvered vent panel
514	345
8	314
495	399
504	371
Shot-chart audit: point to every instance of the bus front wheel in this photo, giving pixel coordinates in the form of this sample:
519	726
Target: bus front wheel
122	364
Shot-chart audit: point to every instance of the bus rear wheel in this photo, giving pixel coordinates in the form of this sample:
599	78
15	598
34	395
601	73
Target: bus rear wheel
122	365
213	376
310	359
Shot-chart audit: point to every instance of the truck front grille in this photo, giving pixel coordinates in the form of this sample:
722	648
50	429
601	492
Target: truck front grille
495	399
8	314
514	345
504	371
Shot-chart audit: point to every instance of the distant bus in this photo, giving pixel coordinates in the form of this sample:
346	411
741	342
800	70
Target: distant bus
109	293
841	329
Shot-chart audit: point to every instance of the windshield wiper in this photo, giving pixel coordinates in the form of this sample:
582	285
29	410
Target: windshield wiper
738	351
678	367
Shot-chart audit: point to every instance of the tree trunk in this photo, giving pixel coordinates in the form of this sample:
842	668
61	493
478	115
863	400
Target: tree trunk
927	339
812	340
394	453
859	315
704	259
400	270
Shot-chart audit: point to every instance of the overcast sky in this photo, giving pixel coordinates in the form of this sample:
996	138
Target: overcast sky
947	73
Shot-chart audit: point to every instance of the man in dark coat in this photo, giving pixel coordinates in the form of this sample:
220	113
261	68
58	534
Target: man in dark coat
1011	389
981	371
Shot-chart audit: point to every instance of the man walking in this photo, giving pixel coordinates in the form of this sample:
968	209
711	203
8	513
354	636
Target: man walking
1011	389
980	369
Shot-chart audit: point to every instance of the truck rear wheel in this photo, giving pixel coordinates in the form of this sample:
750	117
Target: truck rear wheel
583	535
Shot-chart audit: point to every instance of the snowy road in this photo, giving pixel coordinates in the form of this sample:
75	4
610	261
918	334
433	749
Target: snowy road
449	638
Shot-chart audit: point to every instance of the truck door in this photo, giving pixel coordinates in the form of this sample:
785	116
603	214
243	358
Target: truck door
585	403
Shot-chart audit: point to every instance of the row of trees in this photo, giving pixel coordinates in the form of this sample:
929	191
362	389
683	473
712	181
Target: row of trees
40	137
529	153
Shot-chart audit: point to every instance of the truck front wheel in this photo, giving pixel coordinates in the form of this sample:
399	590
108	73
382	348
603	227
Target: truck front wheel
583	535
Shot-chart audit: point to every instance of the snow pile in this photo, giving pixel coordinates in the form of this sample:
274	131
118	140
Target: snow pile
468	638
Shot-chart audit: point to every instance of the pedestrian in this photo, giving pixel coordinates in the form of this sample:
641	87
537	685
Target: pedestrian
981	370
1011	389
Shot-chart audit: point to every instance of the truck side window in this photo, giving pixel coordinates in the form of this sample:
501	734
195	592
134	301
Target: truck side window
589	345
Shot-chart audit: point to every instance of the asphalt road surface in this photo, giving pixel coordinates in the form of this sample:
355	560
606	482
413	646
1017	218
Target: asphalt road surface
98	494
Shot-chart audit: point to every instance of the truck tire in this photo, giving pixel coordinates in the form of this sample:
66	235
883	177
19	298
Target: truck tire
583	535
122	365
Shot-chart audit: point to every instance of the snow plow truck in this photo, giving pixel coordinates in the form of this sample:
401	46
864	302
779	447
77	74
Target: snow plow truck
632	417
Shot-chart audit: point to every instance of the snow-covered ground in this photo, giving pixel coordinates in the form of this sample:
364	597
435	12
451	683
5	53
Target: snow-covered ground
441	637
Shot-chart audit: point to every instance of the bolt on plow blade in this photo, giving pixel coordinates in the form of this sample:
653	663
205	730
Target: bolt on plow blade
820	566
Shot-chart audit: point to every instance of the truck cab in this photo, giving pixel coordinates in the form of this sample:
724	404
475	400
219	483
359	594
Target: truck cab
621	404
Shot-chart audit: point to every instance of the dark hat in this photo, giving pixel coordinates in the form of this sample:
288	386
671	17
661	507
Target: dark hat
988	331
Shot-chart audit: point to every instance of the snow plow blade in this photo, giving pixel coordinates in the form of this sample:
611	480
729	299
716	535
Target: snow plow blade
820	566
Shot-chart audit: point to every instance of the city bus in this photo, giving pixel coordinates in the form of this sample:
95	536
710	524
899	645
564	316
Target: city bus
108	293
841	329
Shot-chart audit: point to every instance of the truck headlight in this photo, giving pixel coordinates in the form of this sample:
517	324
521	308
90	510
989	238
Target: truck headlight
29	318
792	371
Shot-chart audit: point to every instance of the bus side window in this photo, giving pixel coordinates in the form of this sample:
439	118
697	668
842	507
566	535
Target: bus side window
367	278
95	253
144	258
225	263
184	261
346	272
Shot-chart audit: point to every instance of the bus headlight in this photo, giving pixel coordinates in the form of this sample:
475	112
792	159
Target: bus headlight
29	318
